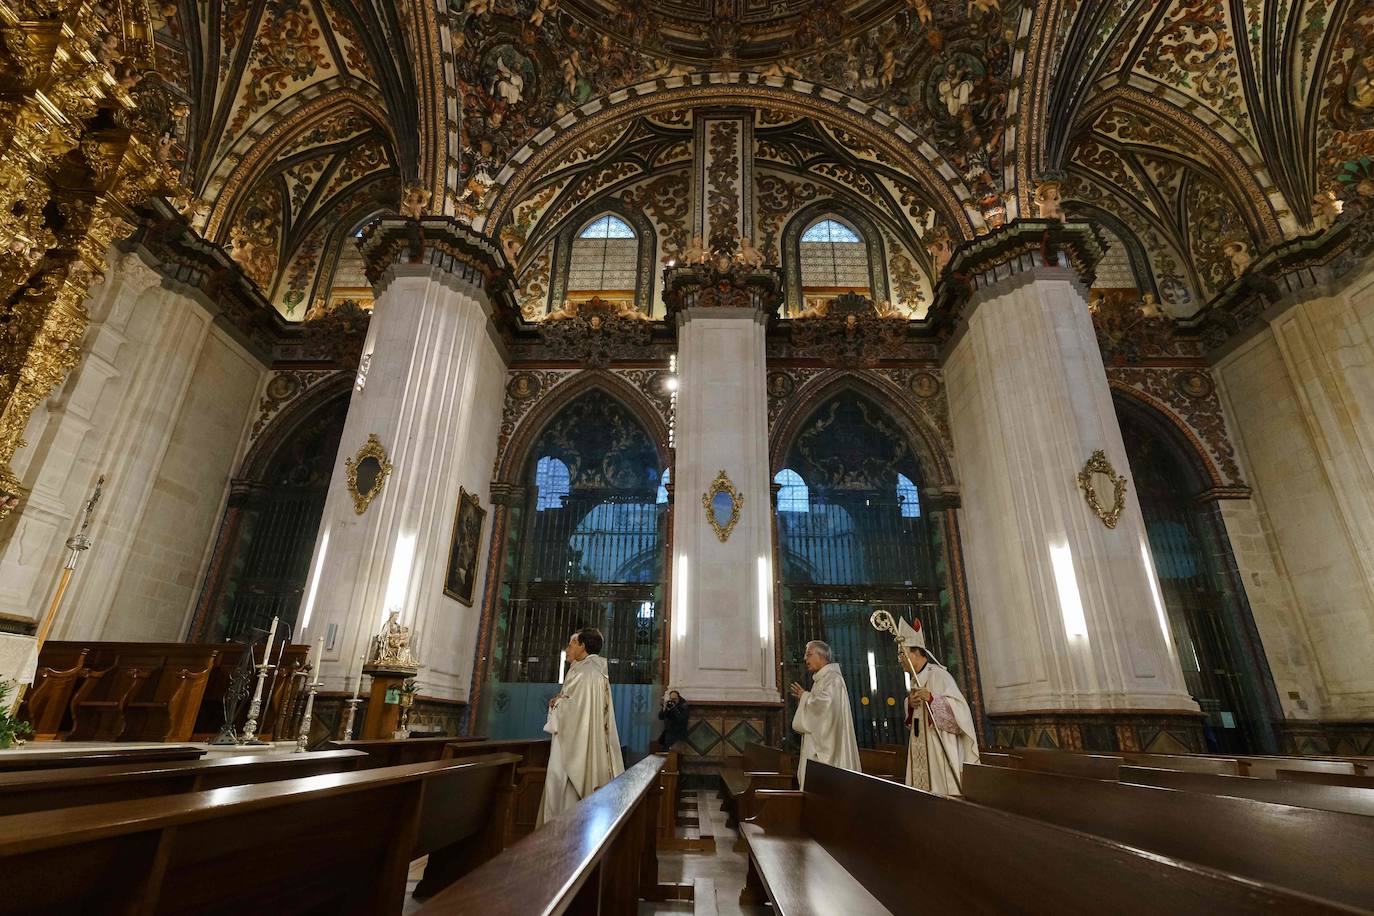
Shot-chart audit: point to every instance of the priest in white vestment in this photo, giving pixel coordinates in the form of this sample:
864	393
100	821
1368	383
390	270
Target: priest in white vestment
585	750
942	738
823	718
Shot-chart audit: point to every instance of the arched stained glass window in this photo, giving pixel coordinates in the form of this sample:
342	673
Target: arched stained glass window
662	498
604	259
551	478
908	497
793	496
607	227
834	258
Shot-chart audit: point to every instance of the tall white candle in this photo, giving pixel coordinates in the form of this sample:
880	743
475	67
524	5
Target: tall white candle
318	657
362	659
271	635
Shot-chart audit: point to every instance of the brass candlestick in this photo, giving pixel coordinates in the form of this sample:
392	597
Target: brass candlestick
348	722
250	727
312	688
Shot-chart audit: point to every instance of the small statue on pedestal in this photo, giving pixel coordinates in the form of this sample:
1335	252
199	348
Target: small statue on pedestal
391	647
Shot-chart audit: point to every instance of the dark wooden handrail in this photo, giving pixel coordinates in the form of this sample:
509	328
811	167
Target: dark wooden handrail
542	874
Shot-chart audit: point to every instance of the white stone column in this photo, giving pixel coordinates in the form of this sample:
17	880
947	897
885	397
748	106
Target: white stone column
722	641
431	390
1067	611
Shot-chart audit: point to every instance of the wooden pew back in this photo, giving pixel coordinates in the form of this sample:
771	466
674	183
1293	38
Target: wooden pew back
47	706
1069	763
1322	853
597	858
338	843
991	862
1301	795
43	790
760	758
1186	763
881	762
1325	779
1268	767
390	752
64	759
529	775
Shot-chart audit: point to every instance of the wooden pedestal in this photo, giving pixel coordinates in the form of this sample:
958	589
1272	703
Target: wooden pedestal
383	717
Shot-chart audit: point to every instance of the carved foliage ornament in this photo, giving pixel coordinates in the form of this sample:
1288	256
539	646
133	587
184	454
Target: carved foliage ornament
1098	464
367	471
722	503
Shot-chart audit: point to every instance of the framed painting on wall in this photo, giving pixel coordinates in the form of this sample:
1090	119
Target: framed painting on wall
464	547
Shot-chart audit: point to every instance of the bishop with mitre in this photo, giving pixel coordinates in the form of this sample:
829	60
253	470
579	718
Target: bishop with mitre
939	719
585	751
823	718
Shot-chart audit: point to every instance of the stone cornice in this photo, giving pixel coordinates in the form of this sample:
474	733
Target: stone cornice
443	243
1287	273
1020	247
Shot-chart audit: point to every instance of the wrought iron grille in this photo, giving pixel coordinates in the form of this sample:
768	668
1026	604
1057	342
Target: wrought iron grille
853	537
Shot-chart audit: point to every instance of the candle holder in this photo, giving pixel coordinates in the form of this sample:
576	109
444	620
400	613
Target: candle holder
353	705
250	727
312	688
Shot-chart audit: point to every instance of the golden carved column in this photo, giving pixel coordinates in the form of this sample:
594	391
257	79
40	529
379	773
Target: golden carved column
76	153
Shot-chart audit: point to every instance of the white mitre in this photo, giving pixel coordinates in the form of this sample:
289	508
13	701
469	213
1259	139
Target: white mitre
912	637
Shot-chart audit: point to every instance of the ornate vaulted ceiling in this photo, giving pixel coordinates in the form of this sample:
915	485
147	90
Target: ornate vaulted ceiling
1187	127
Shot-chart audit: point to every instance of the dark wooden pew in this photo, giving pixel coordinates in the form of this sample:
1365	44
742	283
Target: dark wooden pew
339	843
529	775
47	706
390	752
42	790
1268	767
761	767
1326	779
1324	854
598	858
61	759
884	762
1069	763
1298	794
71	662
813	853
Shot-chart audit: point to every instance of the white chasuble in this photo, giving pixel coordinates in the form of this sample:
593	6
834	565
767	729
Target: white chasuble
824	721
585	751
942	738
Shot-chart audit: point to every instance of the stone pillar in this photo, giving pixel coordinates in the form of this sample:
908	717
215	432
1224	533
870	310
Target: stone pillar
430	388
722	641
1067	611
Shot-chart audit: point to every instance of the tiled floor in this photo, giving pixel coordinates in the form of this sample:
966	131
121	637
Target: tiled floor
724	869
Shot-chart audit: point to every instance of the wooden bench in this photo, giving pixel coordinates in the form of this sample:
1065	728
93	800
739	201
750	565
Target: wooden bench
390	752
47	706
1070	763
1325	779
43	790
761	767
529	774
1268	767
339	843
1324	854
597	858
1298	794
49	703
884	762
814	853
58	759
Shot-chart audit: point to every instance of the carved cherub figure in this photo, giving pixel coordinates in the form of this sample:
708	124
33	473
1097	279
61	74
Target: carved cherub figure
819	310
1049	200
1326	209
941	247
748	255
569	310
414	201
695	252
628	311
1239	254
